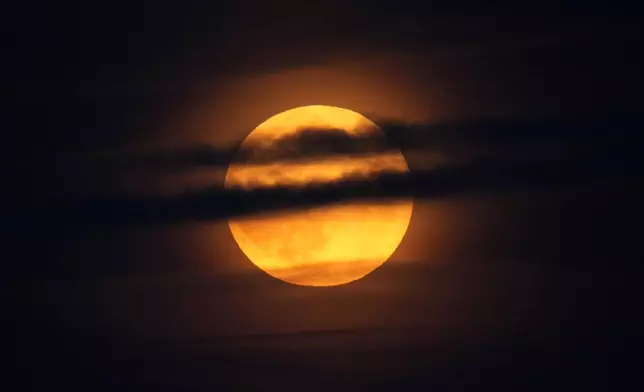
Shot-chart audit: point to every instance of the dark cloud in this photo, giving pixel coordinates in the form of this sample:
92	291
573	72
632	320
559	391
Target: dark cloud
498	139
587	160
315	142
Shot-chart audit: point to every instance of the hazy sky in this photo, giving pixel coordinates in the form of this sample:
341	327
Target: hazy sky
509	272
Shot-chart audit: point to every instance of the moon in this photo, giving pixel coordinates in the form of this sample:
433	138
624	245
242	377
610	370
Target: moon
323	246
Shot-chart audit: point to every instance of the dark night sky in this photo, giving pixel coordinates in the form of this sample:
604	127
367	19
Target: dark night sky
513	274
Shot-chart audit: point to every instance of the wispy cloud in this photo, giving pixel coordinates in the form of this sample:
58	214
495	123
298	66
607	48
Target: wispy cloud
499	156
471	138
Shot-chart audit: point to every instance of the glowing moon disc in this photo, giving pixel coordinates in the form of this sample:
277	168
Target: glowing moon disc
323	246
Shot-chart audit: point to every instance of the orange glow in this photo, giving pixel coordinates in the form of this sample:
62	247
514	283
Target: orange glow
328	245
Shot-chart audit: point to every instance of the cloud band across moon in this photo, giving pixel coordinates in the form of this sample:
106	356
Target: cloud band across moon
496	159
446	138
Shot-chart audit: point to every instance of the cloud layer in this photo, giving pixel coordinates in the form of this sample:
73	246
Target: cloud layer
478	157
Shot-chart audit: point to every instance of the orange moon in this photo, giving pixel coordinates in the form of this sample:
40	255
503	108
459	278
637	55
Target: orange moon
322	246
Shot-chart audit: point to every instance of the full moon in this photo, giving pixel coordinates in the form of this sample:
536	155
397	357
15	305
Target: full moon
321	246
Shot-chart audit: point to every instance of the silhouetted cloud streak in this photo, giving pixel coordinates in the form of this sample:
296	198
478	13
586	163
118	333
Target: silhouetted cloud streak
482	175
473	138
